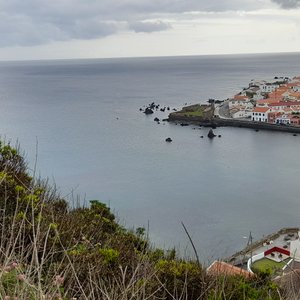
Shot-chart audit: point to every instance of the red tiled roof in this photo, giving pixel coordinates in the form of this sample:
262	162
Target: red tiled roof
240	97
287	103
268	100
261	109
221	268
275	114
278	93
294	94
296	83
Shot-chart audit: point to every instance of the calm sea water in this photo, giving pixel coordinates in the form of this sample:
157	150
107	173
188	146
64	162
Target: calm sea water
94	142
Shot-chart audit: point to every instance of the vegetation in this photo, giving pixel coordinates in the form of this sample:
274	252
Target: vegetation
50	250
267	265
205	112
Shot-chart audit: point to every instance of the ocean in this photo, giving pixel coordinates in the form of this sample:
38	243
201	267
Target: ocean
92	141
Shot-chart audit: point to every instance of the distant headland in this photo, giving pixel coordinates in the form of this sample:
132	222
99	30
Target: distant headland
266	104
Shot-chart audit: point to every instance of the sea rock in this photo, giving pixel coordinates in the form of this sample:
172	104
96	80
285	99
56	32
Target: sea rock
184	124
163	109
165	120
219	135
156	119
201	136
148	111
294	134
211	134
168	108
152	105
169	140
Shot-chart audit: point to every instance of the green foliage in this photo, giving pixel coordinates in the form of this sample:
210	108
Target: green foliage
78	250
237	287
180	275
140	231
204	112
109	255
266	266
9	281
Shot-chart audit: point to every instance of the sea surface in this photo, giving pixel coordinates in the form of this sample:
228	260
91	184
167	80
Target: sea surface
83	118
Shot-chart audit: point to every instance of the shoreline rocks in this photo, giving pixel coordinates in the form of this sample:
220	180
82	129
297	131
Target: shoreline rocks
211	134
148	111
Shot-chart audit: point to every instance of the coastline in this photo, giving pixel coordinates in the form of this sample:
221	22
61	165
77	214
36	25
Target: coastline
218	122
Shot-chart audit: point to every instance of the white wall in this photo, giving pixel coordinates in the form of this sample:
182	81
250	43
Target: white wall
295	249
263	117
254	259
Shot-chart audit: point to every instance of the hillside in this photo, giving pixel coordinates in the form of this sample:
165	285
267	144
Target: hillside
50	250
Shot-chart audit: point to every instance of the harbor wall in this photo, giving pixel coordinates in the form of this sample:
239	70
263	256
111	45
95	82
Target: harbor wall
217	122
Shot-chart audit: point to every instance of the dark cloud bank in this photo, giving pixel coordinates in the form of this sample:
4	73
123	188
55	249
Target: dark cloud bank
34	22
288	4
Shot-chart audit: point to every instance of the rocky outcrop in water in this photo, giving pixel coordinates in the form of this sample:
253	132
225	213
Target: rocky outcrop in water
148	111
211	134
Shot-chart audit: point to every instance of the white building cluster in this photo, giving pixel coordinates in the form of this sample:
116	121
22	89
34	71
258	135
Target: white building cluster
275	101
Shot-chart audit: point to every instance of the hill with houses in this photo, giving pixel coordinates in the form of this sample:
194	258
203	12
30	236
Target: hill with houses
275	101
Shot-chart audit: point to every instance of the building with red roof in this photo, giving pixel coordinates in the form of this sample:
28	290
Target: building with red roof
260	114
220	268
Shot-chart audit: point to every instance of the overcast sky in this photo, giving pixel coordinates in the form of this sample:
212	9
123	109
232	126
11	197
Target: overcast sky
46	29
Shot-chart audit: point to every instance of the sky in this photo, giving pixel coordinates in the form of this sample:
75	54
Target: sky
63	29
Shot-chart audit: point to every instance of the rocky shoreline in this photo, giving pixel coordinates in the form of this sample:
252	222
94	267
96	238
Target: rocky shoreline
218	122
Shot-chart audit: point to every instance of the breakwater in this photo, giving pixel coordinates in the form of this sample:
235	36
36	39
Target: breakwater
217	122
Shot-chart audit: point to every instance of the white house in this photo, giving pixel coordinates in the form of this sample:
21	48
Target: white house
238	100
280	106
283	119
269	87
240	113
260	114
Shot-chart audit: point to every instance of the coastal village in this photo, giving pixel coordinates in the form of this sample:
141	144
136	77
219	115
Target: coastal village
275	101
264	104
277	255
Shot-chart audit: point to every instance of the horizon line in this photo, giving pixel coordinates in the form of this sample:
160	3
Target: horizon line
148	57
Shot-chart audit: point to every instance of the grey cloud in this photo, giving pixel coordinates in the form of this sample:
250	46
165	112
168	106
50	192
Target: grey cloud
288	4
148	26
33	22
88	29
